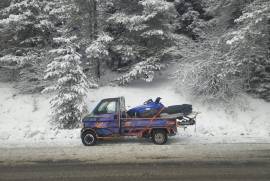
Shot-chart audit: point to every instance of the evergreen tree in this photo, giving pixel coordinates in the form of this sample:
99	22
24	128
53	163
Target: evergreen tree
98	53
68	81
143	33
248	48
87	22
192	18
70	84
25	34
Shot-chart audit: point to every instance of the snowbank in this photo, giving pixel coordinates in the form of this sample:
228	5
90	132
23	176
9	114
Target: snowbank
24	119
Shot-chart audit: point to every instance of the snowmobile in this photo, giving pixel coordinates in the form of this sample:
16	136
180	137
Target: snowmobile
151	108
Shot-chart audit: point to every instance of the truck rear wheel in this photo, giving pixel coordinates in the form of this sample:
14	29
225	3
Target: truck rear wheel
89	138
159	137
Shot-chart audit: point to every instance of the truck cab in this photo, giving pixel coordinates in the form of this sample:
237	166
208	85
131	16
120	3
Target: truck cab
110	119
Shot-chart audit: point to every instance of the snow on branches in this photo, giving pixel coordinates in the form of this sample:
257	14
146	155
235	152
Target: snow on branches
239	61
248	48
70	84
98	49
144	30
144	70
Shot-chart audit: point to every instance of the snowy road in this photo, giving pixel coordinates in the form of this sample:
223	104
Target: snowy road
138	151
138	160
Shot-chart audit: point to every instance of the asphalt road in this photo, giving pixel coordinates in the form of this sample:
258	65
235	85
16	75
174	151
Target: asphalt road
137	161
75	170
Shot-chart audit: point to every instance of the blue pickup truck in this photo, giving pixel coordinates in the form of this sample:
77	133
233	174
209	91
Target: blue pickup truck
110	119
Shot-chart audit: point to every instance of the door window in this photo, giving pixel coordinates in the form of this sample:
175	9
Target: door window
106	107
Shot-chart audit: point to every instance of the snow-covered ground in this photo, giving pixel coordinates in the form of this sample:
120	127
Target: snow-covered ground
24	119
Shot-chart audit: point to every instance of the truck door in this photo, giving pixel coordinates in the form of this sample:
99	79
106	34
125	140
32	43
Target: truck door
107	113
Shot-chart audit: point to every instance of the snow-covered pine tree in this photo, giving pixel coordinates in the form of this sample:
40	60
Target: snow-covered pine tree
25	34
68	82
192	18
142	32
248	54
88	21
98	53
69	85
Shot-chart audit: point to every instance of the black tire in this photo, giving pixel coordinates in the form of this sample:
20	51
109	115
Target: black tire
159	137
89	138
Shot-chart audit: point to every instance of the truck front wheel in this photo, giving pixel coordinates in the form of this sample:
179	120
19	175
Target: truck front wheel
89	138
159	137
